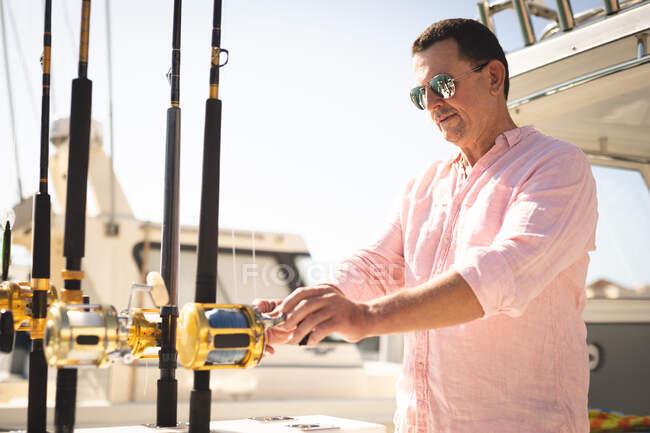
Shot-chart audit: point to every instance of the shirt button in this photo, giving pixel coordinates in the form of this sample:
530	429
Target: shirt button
420	366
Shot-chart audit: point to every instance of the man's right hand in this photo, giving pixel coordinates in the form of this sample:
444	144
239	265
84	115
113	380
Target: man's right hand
274	335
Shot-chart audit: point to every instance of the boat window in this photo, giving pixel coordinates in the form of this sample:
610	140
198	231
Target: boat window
619	266
265	277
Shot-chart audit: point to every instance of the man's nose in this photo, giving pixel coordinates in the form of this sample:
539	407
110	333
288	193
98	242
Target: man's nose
433	100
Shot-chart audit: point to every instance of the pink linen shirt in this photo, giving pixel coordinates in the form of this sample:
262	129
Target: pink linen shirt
517	228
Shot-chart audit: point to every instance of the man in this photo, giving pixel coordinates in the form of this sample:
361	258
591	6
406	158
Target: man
483	266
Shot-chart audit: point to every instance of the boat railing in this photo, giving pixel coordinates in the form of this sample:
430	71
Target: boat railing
562	18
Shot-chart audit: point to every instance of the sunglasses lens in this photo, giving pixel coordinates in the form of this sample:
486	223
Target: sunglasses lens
418	97
443	85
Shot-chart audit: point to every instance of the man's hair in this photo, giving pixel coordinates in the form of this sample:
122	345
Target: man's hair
476	43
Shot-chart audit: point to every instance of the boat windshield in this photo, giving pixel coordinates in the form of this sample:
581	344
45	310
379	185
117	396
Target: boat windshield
619	267
241	278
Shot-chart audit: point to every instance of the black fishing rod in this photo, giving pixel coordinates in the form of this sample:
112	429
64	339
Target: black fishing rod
75	216
7	323
37	394
167	396
6	250
206	269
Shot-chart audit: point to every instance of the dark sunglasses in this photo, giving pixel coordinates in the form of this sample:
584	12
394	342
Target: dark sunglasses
442	85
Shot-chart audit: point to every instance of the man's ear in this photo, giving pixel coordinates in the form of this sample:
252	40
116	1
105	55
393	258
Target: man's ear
496	76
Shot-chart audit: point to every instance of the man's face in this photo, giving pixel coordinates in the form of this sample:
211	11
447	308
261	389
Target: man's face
464	117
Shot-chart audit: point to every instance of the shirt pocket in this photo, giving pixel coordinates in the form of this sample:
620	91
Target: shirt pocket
482	215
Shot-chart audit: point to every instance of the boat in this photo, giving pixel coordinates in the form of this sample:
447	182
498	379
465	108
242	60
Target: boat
583	80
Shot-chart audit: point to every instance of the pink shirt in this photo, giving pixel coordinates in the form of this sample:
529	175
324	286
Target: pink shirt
518	229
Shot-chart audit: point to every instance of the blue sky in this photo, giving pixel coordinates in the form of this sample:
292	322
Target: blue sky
319	135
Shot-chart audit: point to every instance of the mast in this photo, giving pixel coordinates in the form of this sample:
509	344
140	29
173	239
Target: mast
111	227
75	216
167	396
206	269
10	98
37	394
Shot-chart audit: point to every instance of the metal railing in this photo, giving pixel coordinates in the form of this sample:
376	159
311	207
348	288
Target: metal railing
562	19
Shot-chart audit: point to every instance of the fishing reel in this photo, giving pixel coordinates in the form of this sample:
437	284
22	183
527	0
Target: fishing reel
16	311
214	336
79	335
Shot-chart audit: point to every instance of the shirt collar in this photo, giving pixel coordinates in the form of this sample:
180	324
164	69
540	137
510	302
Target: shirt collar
510	138
514	136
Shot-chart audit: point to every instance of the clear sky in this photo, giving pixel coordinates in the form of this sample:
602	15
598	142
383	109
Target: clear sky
319	135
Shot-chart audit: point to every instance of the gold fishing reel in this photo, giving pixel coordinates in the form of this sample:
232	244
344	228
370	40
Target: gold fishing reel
212	336
95	335
17	298
79	335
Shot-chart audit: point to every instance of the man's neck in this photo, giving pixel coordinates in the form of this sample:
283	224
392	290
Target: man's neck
479	147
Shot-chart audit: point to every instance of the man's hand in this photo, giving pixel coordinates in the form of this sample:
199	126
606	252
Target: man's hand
321	311
273	335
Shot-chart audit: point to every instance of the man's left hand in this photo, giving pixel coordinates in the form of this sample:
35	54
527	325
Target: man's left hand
321	311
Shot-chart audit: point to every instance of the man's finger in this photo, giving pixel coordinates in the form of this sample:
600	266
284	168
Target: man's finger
302	311
266	305
277	336
321	331
291	301
306	326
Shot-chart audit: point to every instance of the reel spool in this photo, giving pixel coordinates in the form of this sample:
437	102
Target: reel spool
79	335
214	336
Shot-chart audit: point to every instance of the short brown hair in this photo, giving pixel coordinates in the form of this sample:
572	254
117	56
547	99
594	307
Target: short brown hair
476	42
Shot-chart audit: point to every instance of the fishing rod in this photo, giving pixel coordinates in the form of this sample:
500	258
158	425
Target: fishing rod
23	306
75	215
7	322
72	337
214	336
167	386
37	391
6	244
206	269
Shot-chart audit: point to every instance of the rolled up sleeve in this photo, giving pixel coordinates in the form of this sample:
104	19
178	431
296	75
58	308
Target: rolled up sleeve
379	269
375	271
548	227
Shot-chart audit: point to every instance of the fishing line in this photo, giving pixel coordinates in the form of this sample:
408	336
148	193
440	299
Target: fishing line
234	265
254	267
12	123
220	318
23	63
146	377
